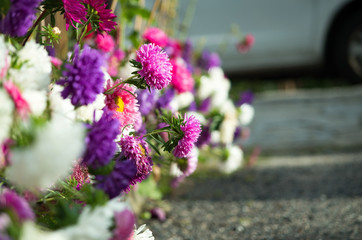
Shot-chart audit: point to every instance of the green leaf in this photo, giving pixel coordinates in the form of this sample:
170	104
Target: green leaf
148	188
4	7
153	147
134	37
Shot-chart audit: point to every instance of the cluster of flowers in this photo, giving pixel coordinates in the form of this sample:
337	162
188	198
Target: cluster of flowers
77	136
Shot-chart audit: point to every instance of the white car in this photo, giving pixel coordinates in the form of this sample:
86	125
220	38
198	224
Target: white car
288	33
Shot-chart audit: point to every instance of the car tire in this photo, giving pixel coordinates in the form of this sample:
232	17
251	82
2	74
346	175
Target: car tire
347	47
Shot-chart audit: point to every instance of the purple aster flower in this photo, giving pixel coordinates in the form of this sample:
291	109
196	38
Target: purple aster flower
100	140
156	67
193	107
191	129
135	149
209	60
245	97
237	132
205	105
187	54
20	207
158	213
120	179
83	78
19	18
205	137
147	100
165	99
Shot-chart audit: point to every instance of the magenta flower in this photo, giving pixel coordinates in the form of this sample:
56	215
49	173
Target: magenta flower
135	149
21	105
182	79
124	224
156	66
18	205
191	165
105	16
191	128
156	36
75	11
105	42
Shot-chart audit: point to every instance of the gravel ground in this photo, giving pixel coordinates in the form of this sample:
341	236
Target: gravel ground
304	197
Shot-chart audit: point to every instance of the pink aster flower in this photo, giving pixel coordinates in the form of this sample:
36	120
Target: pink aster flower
191	128
114	62
56	62
182	79
173	48
18	205
156	66
75	11
156	36
21	105
123	104
124	222
136	149
246	44
191	165
105	42
105	15
80	174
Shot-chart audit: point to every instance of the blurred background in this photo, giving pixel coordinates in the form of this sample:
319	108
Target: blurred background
304	64
302	178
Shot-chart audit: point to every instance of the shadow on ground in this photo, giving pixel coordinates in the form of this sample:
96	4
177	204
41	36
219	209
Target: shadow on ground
336	180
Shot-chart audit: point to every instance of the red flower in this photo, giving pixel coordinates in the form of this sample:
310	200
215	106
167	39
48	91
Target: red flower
105	16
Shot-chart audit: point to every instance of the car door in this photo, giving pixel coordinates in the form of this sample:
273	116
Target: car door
282	31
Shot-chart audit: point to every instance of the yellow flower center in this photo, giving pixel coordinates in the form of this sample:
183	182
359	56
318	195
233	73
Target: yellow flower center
142	150
120	104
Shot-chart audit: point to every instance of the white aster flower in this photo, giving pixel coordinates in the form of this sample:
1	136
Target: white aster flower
31	232
229	124
246	114
215	137
85	113
216	86
126	71
95	224
143	233
181	100
175	170
200	117
221	95
50	157
37	100
59	105
6	115
233	161
36	67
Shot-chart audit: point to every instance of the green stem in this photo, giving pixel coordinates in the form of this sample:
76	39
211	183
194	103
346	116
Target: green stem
43	15
110	91
84	30
165	129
